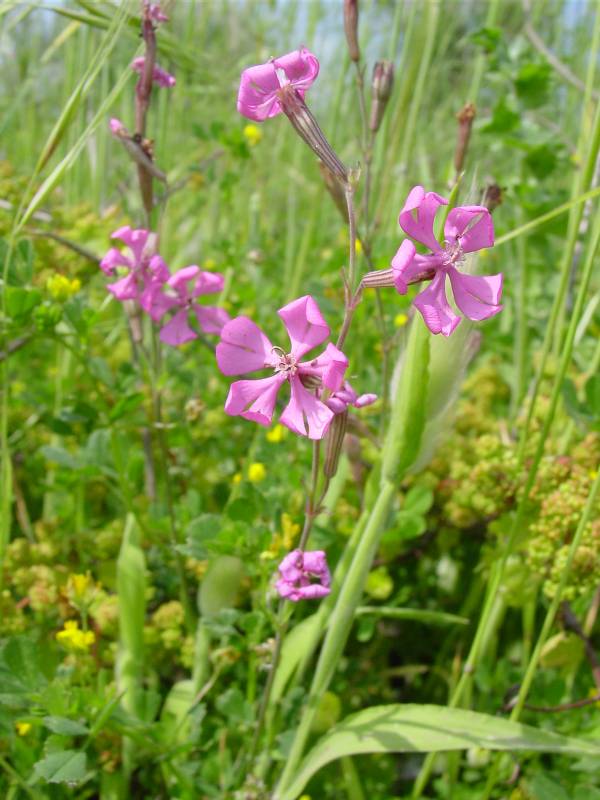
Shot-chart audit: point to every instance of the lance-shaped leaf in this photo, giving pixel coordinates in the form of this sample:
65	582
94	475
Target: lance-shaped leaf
428	729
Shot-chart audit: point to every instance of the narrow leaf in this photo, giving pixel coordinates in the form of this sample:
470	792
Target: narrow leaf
428	729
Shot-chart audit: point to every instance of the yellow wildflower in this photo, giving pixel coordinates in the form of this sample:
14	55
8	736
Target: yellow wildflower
237	478
252	134
257	472
60	288
276	434
79	584
358	247
75	639
290	530
23	728
209	263
400	320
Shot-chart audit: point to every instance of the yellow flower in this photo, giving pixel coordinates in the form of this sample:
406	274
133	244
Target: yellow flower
23	728
289	530
276	434
400	320
79	584
257	472
209	263
252	134
75	639
60	288
237	478
358	247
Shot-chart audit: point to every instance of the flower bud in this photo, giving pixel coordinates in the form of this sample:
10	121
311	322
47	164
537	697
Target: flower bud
465	119
335	439
351	28
492	197
381	86
335	189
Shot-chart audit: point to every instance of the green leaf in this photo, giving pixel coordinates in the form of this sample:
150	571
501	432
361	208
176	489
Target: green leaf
65	766
592	395
295	646
20	302
413	614
503	120
221	585
427	729
65	727
532	84
418	500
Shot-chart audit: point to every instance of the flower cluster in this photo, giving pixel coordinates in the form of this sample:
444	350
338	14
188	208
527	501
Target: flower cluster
149	282
304	575
318	389
74	639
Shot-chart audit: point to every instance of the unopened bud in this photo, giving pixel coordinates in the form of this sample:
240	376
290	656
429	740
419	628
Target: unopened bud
381	86
335	440
492	197
335	189
351	28
465	119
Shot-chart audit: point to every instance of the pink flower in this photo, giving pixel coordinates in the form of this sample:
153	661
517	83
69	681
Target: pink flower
187	284
260	85
245	348
155	12
467	229
160	76
152	297
127	288
339	401
304	576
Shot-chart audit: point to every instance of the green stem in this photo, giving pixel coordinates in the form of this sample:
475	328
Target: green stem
339	627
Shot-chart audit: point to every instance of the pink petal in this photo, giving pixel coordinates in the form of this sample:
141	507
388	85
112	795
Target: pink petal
160	76
257	96
305	325
417	217
177	331
304	414
472	226
211	318
254	399
154	301
134	239
116	127
336	404
433	305
402	265
313	591
291	566
301	67
159	269
330	366
243	348
315	562
365	400
179	280
124	289
114	258
208	283
477	296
